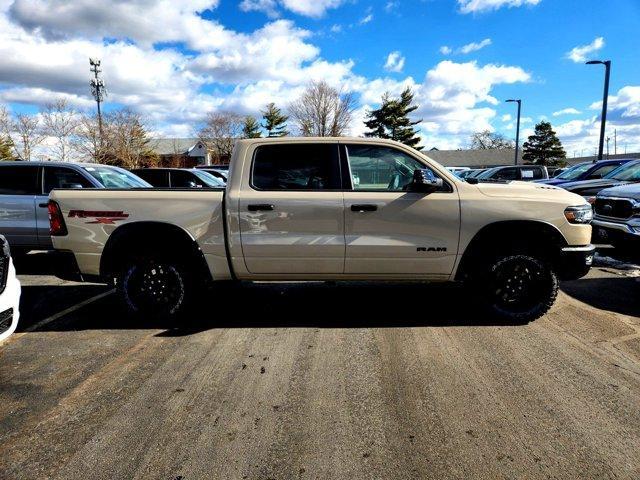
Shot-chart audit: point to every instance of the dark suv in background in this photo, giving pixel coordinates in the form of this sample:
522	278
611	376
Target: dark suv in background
585	171
628	172
525	173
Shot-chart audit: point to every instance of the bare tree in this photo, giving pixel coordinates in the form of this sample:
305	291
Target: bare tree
60	122
6	143
220	132
323	111
27	134
86	141
126	141
487	140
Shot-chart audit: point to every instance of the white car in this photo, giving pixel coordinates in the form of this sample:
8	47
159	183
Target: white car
9	292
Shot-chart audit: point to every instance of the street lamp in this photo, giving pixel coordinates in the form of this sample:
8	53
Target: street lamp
603	122
519	102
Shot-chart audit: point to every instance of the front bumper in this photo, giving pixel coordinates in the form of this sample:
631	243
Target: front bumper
575	262
10	304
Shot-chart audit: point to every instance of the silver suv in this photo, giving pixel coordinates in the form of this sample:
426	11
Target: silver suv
24	195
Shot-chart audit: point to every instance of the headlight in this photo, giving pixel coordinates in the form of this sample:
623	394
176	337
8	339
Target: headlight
579	214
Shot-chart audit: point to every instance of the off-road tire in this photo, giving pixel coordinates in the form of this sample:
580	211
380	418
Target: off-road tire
518	288
155	287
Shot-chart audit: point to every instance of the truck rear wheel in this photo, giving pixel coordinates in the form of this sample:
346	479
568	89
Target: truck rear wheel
519	288
155	287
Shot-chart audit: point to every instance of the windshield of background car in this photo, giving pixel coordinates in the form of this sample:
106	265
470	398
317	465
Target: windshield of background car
575	171
628	172
112	177
209	179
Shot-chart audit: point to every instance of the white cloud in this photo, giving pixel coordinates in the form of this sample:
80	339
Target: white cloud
395	62
479	6
567	111
144	21
475	46
579	54
623	116
310	8
366	19
506	117
391	6
269	7
466	49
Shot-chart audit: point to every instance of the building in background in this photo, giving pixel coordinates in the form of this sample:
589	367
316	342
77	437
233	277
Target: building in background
181	152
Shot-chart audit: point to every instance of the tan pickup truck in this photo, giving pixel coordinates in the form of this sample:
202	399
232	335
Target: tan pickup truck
329	209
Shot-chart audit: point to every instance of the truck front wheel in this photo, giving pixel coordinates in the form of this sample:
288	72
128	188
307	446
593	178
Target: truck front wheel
519	288
154	287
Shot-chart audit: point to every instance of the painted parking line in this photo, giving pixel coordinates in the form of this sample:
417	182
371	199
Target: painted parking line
58	315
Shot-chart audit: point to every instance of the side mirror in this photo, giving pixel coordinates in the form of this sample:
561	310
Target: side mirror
595	176
72	185
424	181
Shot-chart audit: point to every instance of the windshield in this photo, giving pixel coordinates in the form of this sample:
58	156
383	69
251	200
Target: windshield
114	177
487	173
209	179
629	172
575	171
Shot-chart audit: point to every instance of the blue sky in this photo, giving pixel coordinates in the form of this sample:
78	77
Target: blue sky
462	57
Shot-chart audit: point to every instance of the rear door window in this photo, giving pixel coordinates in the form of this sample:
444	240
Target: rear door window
181	179
19	180
507	174
157	178
296	167
61	177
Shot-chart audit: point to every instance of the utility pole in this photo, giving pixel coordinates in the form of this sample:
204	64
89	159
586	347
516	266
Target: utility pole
608	138
615	141
97	89
519	102
603	122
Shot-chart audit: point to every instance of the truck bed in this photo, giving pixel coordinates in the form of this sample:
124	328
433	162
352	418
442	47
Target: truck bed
91	217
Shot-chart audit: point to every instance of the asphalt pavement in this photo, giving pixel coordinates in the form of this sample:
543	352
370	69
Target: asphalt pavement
323	381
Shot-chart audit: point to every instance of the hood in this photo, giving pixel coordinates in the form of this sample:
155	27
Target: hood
552	181
591	185
527	190
631	191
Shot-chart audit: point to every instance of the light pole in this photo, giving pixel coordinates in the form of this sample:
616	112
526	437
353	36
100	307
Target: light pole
603	122
519	102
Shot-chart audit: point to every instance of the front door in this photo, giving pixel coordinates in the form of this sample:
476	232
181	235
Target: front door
389	230
292	211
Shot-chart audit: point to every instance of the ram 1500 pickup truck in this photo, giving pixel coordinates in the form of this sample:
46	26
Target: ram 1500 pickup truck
329	209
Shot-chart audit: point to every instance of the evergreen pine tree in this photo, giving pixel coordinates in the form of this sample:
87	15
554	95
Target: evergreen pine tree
6	149
251	128
543	147
275	123
392	121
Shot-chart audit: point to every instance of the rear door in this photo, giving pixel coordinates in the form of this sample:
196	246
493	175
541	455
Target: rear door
292	210
389	230
18	188
54	177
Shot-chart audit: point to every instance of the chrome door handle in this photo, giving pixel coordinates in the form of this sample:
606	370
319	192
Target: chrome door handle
43	205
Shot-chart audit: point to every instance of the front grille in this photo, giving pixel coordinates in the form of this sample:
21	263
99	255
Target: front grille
4	271
609	207
6	318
